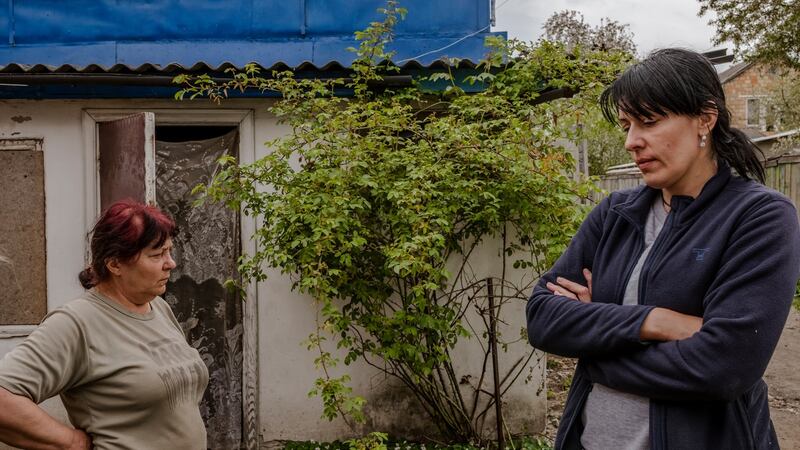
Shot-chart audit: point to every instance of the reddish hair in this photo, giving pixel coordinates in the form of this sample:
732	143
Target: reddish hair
124	229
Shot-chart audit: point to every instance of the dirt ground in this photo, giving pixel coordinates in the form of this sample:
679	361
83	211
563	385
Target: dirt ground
782	376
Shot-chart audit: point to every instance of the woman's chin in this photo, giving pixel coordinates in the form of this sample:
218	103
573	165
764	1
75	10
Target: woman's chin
653	180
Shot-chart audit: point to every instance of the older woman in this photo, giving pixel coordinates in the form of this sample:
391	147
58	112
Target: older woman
116	355
673	295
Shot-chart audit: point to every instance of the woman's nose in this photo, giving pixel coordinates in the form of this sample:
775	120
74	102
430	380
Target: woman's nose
169	264
633	140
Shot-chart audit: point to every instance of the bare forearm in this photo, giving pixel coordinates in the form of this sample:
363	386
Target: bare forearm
667	325
24	424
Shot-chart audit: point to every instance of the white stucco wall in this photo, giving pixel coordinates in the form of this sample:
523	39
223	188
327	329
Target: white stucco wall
288	372
285	319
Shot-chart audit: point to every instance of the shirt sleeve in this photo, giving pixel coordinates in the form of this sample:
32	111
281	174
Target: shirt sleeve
567	327
745	310
52	359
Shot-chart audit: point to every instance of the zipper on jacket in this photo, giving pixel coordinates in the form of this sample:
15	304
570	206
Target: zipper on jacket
662	237
631	264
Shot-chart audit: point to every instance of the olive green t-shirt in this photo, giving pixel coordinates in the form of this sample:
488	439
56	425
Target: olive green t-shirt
129	380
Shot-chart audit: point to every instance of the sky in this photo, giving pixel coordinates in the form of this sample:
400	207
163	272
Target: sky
654	23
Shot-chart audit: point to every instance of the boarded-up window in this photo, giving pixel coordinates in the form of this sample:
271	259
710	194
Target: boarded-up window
753	112
23	296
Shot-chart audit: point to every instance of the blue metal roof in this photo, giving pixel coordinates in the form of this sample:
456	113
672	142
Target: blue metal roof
139	35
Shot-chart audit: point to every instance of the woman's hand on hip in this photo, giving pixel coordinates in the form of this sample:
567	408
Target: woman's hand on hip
80	440
573	290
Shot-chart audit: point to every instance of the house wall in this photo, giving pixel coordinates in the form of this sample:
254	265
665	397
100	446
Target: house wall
757	81
285	319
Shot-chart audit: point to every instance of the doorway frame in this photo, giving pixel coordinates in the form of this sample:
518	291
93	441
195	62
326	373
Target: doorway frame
244	120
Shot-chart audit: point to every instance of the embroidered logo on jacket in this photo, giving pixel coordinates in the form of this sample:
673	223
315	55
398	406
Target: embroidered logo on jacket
700	253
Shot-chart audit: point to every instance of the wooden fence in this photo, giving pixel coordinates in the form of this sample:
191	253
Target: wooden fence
618	178
783	175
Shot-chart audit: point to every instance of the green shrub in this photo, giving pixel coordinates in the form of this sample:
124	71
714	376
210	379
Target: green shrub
372	197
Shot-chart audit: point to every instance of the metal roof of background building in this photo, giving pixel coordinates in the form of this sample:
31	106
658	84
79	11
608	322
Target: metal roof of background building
733	71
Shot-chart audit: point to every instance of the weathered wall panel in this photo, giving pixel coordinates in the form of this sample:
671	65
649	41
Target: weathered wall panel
122	160
23	296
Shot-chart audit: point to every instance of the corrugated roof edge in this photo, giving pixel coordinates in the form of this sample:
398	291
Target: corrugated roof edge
319	54
199	67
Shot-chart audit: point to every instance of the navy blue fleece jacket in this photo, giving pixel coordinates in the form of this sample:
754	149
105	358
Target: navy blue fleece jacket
730	256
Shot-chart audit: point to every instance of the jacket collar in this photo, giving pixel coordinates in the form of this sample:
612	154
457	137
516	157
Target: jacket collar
685	208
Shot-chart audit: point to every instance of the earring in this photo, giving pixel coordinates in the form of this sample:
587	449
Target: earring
703	140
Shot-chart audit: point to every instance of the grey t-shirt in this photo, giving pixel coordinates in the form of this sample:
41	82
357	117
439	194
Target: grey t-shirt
614	419
129	380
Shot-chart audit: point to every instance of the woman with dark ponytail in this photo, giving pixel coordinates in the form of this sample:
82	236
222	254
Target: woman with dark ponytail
117	356
681	82
673	295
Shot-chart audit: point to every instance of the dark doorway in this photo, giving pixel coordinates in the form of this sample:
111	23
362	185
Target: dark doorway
182	133
206	251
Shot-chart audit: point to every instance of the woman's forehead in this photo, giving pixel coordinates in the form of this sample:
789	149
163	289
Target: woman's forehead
639	112
167	243
623	115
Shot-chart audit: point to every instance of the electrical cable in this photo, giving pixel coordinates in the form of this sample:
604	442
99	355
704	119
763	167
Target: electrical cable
452	43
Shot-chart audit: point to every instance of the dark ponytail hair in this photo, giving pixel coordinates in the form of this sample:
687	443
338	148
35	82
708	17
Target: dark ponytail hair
682	82
124	229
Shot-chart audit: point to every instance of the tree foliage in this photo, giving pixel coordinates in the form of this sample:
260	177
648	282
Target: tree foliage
766	30
784	109
373	196
604	141
569	28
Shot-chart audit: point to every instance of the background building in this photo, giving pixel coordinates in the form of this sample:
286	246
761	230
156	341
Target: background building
88	116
